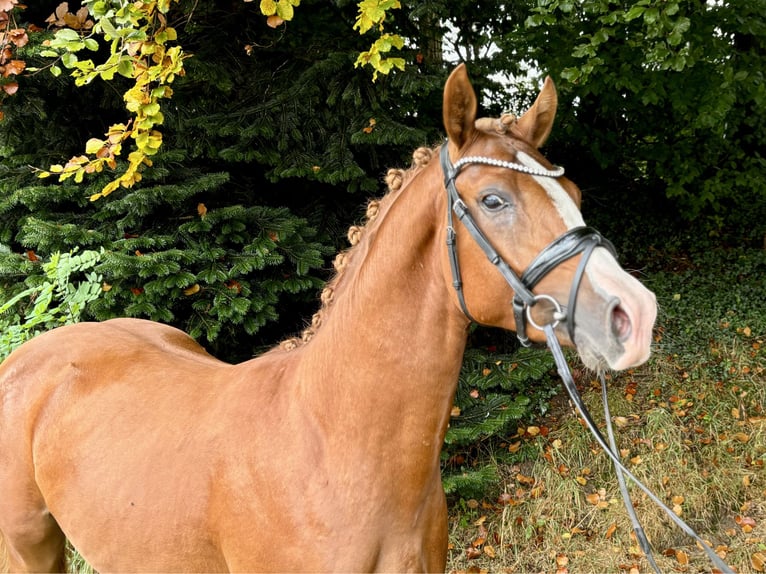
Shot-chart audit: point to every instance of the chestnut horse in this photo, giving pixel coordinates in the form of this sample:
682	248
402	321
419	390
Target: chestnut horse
321	455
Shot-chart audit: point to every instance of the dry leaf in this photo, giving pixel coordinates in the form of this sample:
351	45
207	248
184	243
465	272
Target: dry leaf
489	551
682	557
758	560
611	530
593	498
525	479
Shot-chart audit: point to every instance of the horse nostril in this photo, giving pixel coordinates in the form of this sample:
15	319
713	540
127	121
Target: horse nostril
621	326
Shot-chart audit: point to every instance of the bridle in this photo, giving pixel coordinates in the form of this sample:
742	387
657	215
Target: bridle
573	242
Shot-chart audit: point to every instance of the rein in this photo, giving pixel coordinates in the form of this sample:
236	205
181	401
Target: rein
579	240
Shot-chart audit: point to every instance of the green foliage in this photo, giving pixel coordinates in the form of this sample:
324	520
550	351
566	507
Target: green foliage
59	296
495	391
666	97
705	294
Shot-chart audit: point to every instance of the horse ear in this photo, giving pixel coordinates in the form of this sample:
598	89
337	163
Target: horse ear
459	109
536	124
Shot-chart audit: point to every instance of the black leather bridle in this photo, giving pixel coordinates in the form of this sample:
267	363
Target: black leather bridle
575	241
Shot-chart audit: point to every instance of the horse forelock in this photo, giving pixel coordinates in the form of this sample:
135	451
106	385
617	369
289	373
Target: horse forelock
358	236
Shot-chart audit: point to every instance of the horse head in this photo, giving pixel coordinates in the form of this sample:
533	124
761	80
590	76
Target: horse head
520	255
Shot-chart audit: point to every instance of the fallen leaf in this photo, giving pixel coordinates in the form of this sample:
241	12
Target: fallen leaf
533	431
562	560
472	553
758	560
489	551
611	530
682	557
742	437
593	498
620	422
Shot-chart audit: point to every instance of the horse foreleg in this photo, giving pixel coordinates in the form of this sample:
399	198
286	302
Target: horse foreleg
34	545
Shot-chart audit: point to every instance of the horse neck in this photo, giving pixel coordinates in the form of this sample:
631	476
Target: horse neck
387	356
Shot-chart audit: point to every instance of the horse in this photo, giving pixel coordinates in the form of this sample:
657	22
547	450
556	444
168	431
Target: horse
322	454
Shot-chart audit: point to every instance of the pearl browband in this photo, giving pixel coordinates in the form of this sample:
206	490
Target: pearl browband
557	171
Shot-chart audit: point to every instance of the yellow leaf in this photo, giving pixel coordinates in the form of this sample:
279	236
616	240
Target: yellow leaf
93	145
192	290
268	7
758	560
682	557
489	551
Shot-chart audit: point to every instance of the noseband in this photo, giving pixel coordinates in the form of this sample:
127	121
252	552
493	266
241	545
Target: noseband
575	241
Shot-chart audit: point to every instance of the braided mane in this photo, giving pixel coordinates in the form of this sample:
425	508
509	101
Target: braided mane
395	179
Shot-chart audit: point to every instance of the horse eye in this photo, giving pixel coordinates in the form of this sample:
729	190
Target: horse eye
493	202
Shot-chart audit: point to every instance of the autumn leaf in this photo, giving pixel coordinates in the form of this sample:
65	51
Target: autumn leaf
472	553
593	498
7	5
18	37
192	290
758	560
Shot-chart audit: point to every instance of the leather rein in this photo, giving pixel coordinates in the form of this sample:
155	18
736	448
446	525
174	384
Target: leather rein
579	240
